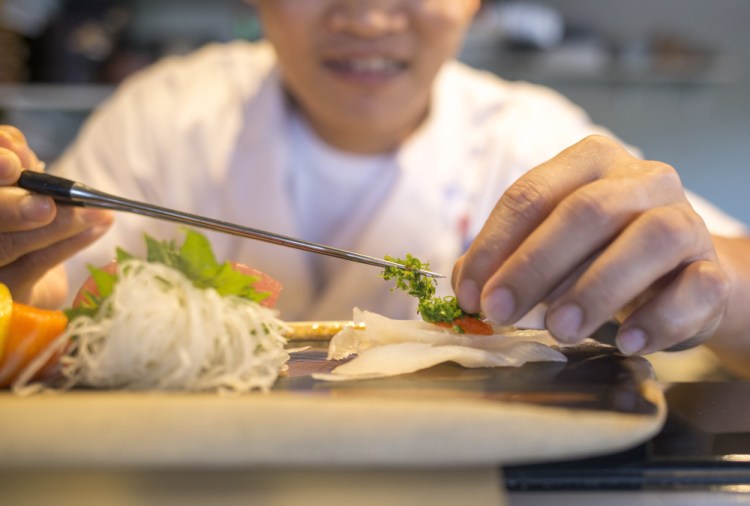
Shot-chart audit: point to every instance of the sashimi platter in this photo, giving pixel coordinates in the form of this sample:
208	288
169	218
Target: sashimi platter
179	359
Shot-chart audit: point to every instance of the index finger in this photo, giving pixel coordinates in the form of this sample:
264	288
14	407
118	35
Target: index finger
13	140
524	206
14	133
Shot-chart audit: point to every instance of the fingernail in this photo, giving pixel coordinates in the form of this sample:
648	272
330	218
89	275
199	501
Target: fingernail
468	296
565	323
36	208
631	341
499	306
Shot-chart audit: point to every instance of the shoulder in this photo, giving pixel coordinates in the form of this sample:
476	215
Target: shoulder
181	111
488	93
206	71
525	122
199	96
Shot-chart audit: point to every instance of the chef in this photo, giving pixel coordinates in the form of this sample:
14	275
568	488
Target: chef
352	125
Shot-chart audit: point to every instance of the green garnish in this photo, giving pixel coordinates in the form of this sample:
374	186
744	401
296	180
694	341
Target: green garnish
431	308
195	259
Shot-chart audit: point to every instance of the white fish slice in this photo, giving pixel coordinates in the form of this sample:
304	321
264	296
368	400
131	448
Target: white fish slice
404	358
387	347
380	330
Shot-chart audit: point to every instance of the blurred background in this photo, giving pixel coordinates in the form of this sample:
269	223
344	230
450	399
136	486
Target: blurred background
668	76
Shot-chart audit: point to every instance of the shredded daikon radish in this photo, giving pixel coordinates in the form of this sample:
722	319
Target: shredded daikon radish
158	331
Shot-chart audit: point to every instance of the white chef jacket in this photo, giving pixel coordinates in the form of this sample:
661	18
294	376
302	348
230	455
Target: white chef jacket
208	133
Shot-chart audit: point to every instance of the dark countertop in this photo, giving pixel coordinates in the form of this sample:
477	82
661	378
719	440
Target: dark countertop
705	444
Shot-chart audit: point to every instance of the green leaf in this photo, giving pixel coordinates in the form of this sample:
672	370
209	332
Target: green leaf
162	252
121	255
105	281
198	257
195	259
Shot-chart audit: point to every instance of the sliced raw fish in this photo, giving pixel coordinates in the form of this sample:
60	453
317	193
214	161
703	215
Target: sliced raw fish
386	347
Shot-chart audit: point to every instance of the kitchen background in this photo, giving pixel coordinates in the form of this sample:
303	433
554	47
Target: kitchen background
669	76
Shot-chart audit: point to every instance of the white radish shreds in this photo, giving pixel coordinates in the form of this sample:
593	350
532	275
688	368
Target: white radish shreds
158	331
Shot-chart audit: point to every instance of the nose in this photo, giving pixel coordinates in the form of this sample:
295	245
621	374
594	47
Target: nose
368	19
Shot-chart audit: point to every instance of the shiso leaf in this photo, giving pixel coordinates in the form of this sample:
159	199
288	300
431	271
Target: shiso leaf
194	258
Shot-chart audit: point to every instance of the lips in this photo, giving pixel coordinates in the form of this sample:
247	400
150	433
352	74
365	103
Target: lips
369	69
371	65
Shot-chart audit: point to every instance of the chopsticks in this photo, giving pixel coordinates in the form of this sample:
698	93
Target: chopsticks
66	191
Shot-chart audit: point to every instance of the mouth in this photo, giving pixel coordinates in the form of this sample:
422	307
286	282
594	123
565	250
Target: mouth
366	69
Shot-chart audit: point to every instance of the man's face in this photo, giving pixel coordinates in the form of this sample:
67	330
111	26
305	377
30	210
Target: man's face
350	63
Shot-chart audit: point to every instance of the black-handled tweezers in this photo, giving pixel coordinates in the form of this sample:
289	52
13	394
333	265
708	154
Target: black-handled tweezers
70	192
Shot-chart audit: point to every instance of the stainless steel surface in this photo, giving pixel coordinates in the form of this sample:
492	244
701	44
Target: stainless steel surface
70	192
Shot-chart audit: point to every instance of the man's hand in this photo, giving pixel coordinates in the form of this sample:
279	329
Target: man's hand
597	233
35	234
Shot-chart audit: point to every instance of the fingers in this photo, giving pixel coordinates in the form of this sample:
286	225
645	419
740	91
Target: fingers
552	220
69	222
515	216
654	247
683	315
595	232
581	225
11	139
36	235
522	208
13	133
25	256
22	274
19	210
10	167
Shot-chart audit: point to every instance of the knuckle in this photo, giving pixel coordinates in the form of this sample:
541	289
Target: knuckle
480	264
658	179
660	168
10	164
711	283
667	227
528	197
662	173
604	295
599	142
601	299
9	249
12	135
671	228
599	146
533	267
587	206
6	141
11	130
